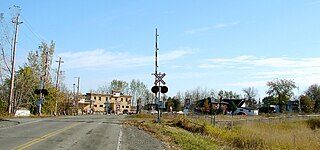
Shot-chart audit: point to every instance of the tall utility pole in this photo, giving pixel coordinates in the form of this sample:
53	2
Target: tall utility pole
16	22
78	91
57	83
156	72
58	73
74	94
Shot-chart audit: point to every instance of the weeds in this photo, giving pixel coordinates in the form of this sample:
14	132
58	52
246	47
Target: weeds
313	123
197	133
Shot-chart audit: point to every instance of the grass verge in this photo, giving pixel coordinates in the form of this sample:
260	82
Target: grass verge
197	133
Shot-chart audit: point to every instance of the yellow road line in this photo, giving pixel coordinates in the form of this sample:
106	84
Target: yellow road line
28	144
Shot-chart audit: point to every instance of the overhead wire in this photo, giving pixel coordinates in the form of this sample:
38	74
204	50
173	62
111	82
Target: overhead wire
28	25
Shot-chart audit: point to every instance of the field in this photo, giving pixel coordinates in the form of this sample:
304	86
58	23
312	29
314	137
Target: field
238	132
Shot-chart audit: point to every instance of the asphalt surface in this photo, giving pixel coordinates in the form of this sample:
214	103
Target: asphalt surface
93	132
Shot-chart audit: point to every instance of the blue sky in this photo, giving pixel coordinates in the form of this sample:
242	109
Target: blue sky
223	45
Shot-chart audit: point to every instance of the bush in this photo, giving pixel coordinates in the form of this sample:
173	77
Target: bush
247	142
313	123
190	126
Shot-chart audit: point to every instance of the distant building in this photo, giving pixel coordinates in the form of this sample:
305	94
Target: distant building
117	103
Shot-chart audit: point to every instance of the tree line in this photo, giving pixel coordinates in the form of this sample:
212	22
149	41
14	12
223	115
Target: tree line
279	92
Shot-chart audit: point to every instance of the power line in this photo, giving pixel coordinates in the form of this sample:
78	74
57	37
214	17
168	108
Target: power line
28	25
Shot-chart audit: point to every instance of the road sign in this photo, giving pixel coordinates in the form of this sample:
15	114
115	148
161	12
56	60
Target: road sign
159	78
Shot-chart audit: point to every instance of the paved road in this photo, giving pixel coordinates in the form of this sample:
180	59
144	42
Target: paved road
93	132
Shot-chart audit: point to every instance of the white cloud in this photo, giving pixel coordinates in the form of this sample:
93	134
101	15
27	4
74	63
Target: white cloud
101	59
258	70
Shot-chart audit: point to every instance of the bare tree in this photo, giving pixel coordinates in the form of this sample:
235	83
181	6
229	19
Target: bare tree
138	90
250	92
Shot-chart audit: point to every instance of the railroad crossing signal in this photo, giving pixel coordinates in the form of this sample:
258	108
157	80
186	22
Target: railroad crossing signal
155	89
42	91
159	78
162	89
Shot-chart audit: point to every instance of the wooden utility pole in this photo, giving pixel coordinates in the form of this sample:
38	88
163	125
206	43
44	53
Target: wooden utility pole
16	22
58	73
57	84
78	90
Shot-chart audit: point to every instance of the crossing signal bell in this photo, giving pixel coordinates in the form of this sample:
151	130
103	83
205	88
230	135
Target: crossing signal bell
162	89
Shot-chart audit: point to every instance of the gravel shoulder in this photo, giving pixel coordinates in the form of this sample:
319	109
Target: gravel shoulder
135	139
4	123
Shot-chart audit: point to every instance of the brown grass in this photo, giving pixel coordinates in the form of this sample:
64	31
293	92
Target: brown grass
270	133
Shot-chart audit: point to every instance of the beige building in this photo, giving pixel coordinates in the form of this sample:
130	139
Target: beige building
118	103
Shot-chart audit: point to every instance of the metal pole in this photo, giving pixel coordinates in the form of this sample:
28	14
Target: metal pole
156	72
12	65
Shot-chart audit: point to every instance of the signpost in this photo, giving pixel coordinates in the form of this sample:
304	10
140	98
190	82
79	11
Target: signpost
157	89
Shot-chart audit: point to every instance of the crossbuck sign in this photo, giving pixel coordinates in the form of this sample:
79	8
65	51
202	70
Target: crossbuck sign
159	78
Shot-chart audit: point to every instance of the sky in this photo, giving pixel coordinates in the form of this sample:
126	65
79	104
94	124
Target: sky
213	44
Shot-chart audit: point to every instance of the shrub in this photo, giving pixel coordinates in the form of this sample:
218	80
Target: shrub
313	123
247	142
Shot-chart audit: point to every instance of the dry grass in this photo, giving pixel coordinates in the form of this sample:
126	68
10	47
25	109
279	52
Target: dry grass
197	133
285	135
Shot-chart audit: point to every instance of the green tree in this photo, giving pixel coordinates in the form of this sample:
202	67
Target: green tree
119	85
282	90
306	104
269	100
313	92
169	104
176	105
206	106
25	84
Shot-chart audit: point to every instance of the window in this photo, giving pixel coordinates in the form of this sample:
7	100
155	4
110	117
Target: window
99	98
127	106
122	106
121	99
101	105
106	98
126	99
95	105
94	98
249	110
115	98
241	109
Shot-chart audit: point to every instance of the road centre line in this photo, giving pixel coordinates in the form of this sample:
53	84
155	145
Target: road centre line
28	144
